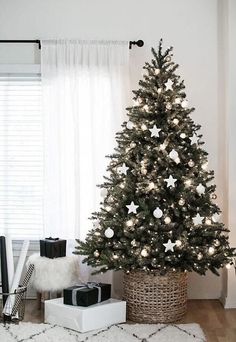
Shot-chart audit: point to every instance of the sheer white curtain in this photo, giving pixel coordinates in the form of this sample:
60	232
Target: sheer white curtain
85	89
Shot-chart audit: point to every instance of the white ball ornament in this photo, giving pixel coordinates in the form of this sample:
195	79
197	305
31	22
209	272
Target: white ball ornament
181	201
173	154
167	220
104	193
200	189
182	135
144	253
130	125
96	254
184	104
211	250
191	163
109	233
158	213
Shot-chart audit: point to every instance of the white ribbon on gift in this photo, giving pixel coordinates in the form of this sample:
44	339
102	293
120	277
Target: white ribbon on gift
89	285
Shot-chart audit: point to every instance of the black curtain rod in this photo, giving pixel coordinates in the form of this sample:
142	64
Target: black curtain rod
139	42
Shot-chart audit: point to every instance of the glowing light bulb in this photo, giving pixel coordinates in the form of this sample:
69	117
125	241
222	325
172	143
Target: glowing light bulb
151	186
108	208
143	127
145	107
228	266
178	243
167	220
122	185
144	253
163	146
208	222
182	135
188	182
129	223
157	71
175	121
211	250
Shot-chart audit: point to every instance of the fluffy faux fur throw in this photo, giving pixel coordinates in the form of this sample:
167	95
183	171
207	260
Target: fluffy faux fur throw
54	274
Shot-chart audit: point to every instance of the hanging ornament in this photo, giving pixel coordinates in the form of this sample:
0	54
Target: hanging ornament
188	182
208	221
199	256
130	125
182	135
216	217
157	71
228	266
154	131
158	213
205	166
143	127
191	163
144	253
96	254
168	58
197	219
181	201
133	243
200	189
170	181
129	223
177	100
167	220
194	139
173	154
184	104
104	192
217	243
168	106
159	90
169	246
151	186
115	256
211	250
109	233
122	169
168	85
178	243
132	208
214	196
175	121
163	146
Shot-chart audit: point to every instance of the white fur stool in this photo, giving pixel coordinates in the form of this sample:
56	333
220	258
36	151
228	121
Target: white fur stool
53	275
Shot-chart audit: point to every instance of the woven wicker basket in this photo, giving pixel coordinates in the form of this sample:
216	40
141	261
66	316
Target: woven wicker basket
154	298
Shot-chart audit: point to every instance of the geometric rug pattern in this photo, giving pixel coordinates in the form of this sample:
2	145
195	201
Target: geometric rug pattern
32	332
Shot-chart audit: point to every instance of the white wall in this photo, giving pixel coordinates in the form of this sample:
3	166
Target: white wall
191	26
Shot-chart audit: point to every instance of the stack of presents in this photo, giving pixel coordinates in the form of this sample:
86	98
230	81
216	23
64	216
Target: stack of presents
83	307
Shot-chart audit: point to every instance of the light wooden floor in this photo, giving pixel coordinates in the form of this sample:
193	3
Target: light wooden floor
219	325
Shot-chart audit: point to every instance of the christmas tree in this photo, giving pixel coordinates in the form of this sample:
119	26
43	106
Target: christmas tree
158	211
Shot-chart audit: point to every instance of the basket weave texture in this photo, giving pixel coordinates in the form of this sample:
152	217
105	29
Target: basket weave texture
155	298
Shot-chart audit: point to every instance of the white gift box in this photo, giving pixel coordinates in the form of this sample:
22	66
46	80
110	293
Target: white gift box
84	319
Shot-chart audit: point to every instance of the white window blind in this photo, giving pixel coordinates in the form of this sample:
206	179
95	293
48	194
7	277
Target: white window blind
21	157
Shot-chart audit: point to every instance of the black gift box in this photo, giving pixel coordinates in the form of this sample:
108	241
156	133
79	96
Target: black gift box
52	248
87	294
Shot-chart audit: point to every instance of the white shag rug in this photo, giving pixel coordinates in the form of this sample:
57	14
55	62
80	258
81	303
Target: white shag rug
29	332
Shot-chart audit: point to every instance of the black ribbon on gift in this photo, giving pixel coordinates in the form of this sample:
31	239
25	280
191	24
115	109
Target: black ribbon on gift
89	285
52	239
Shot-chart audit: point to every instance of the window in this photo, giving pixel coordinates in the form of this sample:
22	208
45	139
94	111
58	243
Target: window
21	156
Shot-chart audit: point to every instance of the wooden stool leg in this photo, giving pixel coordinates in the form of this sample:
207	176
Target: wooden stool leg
39	299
